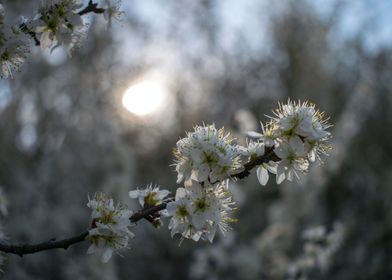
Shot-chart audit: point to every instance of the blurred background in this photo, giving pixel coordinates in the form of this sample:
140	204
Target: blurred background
107	118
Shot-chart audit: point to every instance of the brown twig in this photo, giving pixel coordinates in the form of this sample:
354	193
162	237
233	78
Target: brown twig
269	155
23	27
91	8
23	249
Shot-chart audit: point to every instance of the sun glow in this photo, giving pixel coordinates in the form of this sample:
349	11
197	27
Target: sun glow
144	97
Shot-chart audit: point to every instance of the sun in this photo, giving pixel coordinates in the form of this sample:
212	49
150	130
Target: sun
144	97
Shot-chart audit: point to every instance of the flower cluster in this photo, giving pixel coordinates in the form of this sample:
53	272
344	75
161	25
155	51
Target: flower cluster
112	10
199	210
13	47
150	196
57	23
297	134
207	154
109	226
205	161
318	250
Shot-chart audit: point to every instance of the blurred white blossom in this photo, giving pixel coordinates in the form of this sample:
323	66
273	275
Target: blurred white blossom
13	48
112	10
318	251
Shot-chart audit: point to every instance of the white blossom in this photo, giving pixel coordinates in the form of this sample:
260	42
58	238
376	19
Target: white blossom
13	48
301	119
293	159
12	56
263	169
109	232
268	135
253	149
150	196
257	149
207	154
112	10
319	249
59	24
180	211
298	136
198	211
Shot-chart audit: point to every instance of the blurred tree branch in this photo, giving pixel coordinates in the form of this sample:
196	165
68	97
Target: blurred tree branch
90	8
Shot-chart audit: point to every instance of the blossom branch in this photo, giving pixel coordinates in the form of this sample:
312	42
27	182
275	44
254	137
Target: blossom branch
206	158
24	249
90	8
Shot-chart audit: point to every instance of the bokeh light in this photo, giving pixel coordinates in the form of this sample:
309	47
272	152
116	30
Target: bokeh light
145	97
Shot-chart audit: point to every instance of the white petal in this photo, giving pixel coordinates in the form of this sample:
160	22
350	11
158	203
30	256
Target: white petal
271	166
107	255
171	208
134	194
281	151
198	220
92	249
196	156
162	194
262	175
180	177
202	173
40	29
254	134
211	234
312	156
280	175
180	193
290	175
196	236
297	145
141	201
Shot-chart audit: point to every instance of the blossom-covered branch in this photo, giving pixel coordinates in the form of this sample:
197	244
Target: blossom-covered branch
24	249
206	160
57	23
